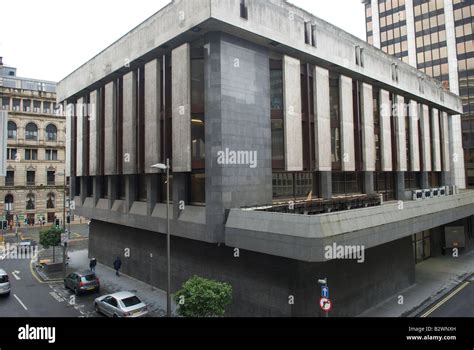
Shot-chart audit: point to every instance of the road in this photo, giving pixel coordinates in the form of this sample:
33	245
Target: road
30	297
458	303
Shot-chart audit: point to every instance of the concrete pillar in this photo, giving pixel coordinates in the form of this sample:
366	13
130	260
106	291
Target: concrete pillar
97	189
152	115
385	130
347	124
368	137
400	135
112	190
375	22
83	194
130	191
410	18
325	184
446	164
436	140
425	184
413	119
425	138
129	158
110	134
180	193
293	129
80	127
152	192
70	145
94	134
400	185
322	123
368	182
181	105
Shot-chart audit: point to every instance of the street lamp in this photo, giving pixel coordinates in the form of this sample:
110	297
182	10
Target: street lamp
166	167
64	221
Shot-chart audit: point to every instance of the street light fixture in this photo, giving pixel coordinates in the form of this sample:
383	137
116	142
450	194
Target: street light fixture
161	166
64	221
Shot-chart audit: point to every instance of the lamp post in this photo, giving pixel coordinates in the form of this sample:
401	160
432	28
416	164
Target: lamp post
166	167
64	221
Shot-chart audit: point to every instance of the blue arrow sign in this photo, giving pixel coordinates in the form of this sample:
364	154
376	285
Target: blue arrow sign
325	292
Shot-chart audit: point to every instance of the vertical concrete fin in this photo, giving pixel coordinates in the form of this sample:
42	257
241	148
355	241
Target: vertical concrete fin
414	136
445	142
292	114
69	129
347	124
322	123
80	123
436	140
425	135
385	130
152	114
400	136
367	119
110	134
129	158
181	105
93	134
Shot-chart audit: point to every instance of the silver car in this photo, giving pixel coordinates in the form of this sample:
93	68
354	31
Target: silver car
121	304
4	283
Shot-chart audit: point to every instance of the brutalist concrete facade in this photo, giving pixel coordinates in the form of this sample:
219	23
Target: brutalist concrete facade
269	258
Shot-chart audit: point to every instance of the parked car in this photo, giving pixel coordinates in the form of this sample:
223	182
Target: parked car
4	283
81	282
121	304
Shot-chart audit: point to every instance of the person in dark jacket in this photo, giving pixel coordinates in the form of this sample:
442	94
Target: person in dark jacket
93	264
117	265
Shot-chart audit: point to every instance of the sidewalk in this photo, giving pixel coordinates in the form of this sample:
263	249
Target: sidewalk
155	299
434	278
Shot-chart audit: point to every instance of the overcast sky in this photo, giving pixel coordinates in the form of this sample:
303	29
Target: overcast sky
48	39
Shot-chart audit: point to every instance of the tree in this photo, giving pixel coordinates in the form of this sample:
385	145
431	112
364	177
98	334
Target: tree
51	237
200	297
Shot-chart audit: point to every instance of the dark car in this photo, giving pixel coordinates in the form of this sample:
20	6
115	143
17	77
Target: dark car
82	282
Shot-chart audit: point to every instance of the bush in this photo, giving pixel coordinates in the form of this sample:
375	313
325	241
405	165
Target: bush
200	297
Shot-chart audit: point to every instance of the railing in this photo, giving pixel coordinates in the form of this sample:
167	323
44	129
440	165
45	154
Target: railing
323	206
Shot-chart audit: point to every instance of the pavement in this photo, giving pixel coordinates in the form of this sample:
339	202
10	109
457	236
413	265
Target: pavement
435	292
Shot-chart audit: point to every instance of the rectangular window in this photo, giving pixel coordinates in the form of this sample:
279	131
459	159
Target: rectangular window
30	178
31	154
51	178
11	154
10	178
335	121
52	154
243	9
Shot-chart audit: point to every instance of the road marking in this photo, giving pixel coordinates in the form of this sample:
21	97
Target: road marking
15	274
76	234
21	303
446	299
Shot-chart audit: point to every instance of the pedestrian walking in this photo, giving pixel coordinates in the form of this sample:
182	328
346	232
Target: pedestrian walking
117	265
93	264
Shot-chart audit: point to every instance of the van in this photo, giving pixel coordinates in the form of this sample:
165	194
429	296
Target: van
4	283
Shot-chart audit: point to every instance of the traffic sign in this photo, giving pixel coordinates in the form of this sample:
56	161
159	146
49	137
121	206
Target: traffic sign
325	304
64	238
324	292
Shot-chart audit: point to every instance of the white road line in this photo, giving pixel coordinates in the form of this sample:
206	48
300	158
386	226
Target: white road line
21	303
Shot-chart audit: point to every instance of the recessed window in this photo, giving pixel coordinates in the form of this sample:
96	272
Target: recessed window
51	133
31	154
30	201
52	154
10	179
51	178
11	154
31	132
30	178
11	130
243	9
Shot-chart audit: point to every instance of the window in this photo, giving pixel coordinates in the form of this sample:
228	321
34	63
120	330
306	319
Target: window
10	179
52	154
9	200
50	202
30	201
51	133
51	178
37	106
31	154
11	154
26	105
335	121
47	107
5	103
11	130
31	132
243	10
30	178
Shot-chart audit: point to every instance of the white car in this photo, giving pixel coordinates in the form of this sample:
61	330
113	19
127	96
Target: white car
121	304
4	283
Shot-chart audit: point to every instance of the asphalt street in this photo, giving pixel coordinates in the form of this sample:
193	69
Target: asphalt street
458	303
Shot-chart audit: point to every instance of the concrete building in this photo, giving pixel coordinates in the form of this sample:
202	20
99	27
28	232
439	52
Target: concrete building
31	192
283	141
435	36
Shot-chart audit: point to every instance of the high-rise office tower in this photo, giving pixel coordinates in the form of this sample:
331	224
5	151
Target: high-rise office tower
436	37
